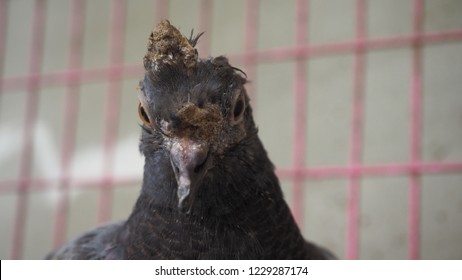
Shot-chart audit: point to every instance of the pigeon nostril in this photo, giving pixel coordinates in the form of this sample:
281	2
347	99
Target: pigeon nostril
175	167
199	167
201	162
177	170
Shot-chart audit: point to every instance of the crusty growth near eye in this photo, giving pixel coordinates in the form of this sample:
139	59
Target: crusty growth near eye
168	46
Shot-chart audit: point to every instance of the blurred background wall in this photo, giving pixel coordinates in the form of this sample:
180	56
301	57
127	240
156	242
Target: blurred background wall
359	104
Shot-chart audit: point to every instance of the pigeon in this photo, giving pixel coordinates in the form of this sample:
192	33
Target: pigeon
209	190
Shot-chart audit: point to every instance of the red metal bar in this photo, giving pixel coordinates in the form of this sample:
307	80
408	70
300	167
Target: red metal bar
300	92
3	34
76	25
43	185
313	173
416	123
371	170
161	10
346	47
250	46
356	134
68	76
61	78
33	89
116	42
205	23
3	29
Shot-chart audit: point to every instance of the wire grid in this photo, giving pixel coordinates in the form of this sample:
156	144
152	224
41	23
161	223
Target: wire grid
74	76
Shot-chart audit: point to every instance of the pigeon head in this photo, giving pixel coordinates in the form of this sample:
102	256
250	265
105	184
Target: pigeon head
194	110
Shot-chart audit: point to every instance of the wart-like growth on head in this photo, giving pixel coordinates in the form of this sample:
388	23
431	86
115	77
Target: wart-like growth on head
193	109
167	46
206	122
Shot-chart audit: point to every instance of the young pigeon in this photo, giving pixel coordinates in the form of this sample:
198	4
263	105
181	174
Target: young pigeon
209	189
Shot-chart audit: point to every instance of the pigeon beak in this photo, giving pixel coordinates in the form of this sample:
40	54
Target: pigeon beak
188	159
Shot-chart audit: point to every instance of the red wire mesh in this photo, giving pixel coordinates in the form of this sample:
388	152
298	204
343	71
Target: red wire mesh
74	76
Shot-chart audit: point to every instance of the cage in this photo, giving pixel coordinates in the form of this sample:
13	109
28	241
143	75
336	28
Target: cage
358	104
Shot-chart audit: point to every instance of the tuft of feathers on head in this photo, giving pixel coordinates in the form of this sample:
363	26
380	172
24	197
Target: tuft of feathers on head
167	46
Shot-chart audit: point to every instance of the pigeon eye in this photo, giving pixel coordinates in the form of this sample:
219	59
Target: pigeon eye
143	115
238	109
